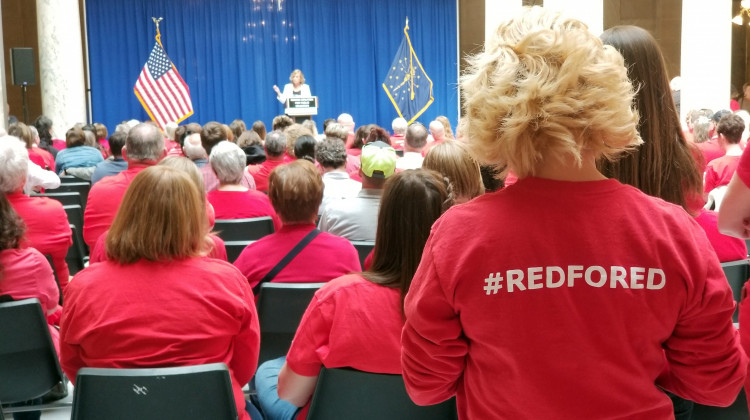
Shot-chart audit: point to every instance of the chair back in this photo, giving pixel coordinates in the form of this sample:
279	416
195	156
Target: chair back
185	392
29	367
736	273
280	310
345	393
244	229
363	249
65	198
79	187
77	252
235	248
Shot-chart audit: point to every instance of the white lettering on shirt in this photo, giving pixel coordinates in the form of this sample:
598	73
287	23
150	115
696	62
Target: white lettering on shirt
553	277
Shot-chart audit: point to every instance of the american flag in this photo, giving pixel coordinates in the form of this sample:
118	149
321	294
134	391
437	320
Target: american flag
161	90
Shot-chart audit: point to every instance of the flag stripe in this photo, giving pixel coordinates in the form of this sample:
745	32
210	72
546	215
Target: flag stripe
156	100
147	96
161	90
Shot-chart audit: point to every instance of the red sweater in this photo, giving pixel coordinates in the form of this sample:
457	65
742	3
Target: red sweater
261	171
147	315
592	296
47	229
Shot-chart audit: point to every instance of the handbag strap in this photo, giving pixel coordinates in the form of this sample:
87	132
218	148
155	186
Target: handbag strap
287	259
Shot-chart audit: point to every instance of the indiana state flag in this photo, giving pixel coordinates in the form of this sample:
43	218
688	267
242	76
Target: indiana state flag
407	84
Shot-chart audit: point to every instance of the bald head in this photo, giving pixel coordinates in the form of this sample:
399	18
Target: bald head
193	148
437	130
347	121
144	143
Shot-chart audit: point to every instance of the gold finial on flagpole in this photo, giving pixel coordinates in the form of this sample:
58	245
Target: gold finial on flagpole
158	33
407	22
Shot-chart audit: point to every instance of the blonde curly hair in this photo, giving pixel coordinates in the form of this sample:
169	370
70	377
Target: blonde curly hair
545	87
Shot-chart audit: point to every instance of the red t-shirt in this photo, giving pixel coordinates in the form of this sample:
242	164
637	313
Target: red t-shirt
43	158
325	258
242	205
711	150
261	171
719	172
161	314
580	299
104	201
743	168
727	248
47	229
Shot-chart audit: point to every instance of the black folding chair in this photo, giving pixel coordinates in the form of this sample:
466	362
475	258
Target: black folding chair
244	229
185	392
235	248
65	198
280	309
79	187
76	257
736	273
363	249
346	393
29	367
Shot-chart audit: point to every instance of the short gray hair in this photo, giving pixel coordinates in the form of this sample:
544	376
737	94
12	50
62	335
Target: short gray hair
416	136
275	143
14	164
330	153
193	148
228	162
337	130
399	125
144	142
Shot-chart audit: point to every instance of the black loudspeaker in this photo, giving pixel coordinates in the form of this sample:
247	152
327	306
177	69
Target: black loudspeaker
22	66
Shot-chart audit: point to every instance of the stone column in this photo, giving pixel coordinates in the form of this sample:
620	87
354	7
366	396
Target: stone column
497	11
706	63
61	63
591	12
3	92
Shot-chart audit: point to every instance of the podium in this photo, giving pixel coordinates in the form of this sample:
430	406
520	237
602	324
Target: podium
301	108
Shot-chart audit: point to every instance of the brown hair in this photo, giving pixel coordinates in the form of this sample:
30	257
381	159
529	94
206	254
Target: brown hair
293	132
212	133
411	203
296	191
23	132
378	133
75	137
101	131
238	127
453	160
663	166
12	227
162	217
260	128
731	126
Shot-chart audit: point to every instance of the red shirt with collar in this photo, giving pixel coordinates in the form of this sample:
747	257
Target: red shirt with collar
261	171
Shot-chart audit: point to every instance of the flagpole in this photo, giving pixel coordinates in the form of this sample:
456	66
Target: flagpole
158	33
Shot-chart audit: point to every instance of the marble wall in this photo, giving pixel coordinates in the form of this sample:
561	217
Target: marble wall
61	63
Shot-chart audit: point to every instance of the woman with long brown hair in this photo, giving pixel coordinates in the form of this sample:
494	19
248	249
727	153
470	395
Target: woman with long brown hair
156	301
356	320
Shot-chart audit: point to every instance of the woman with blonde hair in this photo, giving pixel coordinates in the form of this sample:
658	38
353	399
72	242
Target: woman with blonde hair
156	301
453	160
297	87
572	287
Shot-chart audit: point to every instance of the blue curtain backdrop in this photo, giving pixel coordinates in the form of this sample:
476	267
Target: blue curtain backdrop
231	53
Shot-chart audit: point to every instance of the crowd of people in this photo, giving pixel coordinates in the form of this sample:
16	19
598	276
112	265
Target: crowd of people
564	246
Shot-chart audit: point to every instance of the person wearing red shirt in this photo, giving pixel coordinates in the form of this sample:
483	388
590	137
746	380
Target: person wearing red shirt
39	156
398	126
275	146
232	200
296	191
211	134
720	170
355	320
47	227
136	309
144	147
552	295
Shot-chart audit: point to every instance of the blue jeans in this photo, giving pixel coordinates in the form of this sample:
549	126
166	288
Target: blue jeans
267	383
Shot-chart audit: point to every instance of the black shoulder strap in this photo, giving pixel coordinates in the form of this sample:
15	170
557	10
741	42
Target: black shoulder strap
287	259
